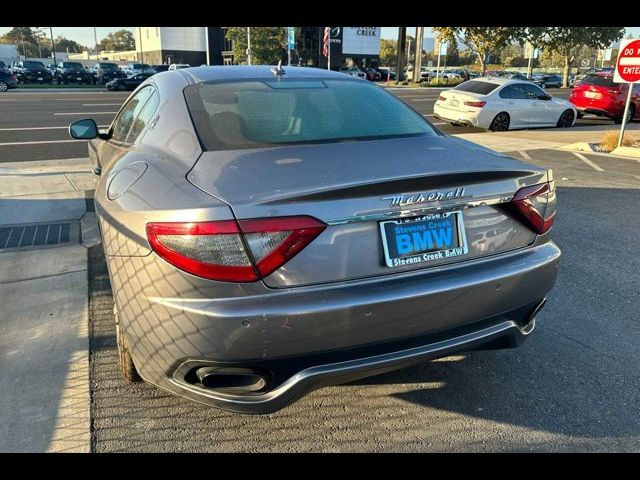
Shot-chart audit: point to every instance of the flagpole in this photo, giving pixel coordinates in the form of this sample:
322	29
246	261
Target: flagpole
329	50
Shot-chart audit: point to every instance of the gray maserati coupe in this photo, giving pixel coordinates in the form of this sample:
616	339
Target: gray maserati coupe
272	230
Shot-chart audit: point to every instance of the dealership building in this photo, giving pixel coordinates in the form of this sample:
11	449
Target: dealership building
209	45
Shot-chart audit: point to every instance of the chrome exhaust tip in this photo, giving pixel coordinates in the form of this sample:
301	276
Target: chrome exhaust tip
230	380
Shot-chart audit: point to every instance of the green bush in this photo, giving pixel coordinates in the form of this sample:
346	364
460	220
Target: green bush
440	82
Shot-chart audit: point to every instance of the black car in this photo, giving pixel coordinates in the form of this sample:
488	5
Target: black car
104	72
7	80
32	71
73	72
129	83
549	81
160	68
386	73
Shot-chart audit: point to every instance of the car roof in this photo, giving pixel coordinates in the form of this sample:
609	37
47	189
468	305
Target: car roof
233	72
496	80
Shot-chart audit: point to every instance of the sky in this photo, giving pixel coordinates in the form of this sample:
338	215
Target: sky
84	35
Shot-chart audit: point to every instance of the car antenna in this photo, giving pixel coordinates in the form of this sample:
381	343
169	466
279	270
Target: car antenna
278	70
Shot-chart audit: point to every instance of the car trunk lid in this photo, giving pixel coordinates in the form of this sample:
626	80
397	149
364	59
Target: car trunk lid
352	186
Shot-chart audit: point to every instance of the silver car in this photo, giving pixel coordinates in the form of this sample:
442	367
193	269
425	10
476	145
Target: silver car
269	231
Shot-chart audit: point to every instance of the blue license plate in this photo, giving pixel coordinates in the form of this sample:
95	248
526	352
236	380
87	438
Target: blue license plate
423	239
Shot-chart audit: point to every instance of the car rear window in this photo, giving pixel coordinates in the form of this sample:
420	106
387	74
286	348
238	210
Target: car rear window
254	114
108	66
72	65
33	64
598	80
477	86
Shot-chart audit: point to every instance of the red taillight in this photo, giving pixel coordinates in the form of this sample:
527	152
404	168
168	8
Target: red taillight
441	98
227	250
532	202
475	104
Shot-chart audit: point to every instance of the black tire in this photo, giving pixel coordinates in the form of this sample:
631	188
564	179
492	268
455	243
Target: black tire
630	115
3	86
125	362
121	88
566	119
500	123
580	115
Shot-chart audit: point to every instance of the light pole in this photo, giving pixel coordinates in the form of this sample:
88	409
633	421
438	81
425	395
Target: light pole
53	47
141	51
417	67
95	39
248	45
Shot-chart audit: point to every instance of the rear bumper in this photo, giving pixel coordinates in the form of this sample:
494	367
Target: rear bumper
466	118
495	333
601	108
177	318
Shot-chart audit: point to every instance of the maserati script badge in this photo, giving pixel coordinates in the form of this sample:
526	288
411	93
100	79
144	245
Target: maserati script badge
402	200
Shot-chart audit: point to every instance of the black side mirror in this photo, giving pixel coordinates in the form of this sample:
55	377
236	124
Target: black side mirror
544	97
85	129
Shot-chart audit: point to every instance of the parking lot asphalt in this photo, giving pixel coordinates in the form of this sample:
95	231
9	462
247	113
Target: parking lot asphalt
573	386
33	125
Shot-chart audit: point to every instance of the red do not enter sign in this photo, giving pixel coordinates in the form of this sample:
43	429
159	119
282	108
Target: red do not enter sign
628	64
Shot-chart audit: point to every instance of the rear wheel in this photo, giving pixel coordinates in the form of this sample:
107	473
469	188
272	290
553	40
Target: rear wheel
125	361
566	119
500	123
3	87
630	115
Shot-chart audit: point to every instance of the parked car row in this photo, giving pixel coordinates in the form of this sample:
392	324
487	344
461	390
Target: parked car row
35	71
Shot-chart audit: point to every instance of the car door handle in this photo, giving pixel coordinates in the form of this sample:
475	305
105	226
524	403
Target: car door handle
153	122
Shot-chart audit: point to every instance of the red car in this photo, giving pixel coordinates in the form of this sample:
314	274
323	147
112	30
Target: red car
597	94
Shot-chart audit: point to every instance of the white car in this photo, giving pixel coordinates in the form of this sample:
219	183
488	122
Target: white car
500	104
425	74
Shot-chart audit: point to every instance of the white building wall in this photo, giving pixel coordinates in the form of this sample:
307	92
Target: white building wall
170	38
150	39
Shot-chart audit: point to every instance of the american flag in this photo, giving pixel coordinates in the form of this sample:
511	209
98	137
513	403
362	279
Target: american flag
325	41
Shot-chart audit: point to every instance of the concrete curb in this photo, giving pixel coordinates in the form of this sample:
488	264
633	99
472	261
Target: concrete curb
581	147
628	152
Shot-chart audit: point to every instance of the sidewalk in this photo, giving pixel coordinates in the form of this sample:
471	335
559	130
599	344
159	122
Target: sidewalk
522	140
44	344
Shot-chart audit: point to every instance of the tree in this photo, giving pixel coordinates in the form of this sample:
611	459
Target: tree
66	45
567	41
119	41
267	44
388	52
453	55
480	40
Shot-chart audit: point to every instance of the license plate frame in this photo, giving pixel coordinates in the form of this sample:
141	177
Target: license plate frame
430	254
454	103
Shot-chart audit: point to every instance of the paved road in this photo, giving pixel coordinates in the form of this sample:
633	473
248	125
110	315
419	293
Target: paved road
36	129
572	386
